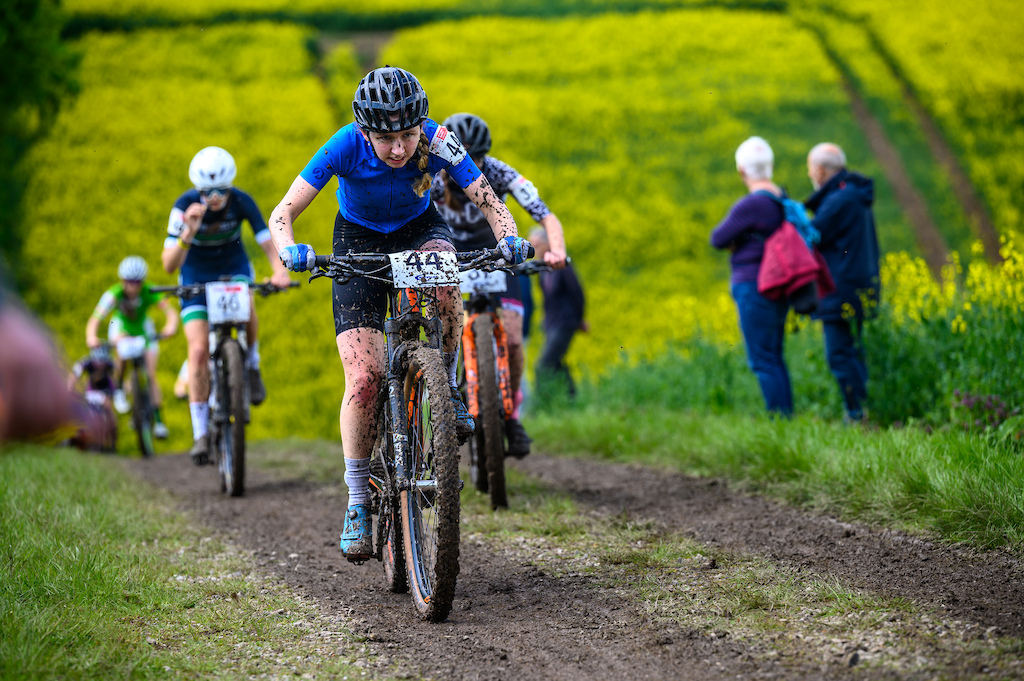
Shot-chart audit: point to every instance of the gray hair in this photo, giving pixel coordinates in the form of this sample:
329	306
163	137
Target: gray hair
828	155
755	158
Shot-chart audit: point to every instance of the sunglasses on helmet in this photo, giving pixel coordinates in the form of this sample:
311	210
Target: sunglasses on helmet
215	193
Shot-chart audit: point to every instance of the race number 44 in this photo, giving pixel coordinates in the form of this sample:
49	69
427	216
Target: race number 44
424	269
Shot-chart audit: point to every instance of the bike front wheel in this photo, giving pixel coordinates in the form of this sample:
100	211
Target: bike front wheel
430	506
231	429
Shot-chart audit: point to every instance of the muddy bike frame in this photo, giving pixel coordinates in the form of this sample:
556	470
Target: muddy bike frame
228	310
414	466
486	377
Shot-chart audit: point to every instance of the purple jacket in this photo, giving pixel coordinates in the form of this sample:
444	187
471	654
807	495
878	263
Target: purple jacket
750	221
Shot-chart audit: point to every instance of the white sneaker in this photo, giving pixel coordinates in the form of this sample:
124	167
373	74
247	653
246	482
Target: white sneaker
121	402
160	431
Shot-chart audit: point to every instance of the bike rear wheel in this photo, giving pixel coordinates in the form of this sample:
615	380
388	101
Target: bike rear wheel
490	436
142	412
231	429
430	509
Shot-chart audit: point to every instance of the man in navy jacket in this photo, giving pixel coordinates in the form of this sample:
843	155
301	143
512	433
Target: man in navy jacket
842	207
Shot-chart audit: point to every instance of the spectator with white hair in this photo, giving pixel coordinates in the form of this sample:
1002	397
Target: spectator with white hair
749	222
842	206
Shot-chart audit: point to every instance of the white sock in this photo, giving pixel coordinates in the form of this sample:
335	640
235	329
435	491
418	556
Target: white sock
200	418
357	477
254	355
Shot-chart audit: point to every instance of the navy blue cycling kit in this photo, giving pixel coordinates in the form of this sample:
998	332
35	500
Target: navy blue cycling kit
217	248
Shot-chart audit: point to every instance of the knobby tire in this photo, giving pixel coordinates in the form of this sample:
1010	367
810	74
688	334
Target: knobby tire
388	519
142	412
232	430
490	436
430	516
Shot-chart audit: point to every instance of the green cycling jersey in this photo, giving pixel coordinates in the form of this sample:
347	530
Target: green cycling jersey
130	312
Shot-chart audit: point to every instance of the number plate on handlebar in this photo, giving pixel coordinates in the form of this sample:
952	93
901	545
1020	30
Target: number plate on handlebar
424	269
478	281
131	347
227	302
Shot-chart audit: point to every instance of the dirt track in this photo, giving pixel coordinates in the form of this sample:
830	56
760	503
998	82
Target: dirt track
512	620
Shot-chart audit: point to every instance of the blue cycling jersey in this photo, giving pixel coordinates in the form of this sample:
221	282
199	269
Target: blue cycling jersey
374	195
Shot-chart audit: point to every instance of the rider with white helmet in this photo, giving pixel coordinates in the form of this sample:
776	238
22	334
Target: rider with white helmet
204	239
128	304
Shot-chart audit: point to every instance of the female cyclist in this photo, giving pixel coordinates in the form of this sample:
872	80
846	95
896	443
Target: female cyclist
129	302
204	239
384	162
470	230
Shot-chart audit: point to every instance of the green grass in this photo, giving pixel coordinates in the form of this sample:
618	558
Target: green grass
949	484
99	578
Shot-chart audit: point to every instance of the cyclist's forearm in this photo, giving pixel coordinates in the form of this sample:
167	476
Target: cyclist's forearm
172	318
556	237
496	212
271	251
502	222
298	197
91	327
281	233
173	257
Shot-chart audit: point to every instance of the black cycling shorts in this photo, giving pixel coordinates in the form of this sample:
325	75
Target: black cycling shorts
362	302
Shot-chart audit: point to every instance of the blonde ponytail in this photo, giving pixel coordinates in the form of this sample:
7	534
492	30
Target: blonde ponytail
421	185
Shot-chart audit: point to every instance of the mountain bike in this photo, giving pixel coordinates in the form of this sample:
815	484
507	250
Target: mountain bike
227	309
414	467
131	350
487	380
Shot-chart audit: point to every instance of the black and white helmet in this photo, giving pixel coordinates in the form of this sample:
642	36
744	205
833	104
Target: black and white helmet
212	168
472	131
132	268
386	92
100	354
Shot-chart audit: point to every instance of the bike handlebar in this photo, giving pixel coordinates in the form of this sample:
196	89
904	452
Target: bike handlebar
535	267
351	264
112	345
192	290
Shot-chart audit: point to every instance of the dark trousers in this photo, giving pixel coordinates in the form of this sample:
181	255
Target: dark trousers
846	360
763	323
551	366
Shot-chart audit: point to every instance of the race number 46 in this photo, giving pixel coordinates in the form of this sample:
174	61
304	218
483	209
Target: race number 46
424	269
227	302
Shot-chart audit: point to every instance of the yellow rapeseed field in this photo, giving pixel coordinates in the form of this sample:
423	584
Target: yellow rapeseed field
106	178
